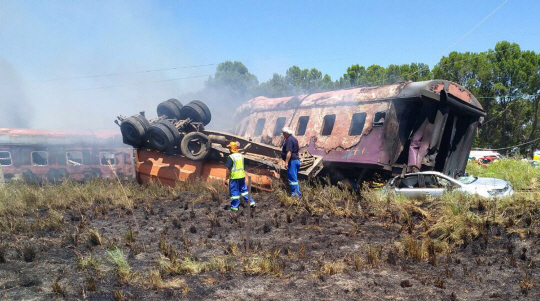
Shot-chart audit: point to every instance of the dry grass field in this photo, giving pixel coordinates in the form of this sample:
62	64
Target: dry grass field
106	240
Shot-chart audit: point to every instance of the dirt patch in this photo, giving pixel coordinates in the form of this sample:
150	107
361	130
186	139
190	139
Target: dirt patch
189	248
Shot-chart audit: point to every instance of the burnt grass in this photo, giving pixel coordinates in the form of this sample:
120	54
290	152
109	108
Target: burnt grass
293	254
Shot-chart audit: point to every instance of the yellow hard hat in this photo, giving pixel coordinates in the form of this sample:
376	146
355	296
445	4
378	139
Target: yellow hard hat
233	146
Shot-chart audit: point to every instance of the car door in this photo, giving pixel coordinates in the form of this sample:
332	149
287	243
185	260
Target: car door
409	186
432	186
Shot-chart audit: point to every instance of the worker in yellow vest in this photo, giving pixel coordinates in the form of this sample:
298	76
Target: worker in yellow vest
237	177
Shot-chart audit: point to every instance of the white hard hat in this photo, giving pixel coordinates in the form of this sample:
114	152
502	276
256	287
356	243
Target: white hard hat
287	130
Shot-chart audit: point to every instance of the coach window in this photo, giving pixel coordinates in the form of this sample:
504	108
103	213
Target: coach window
245	128
40	158
302	125
378	120
5	159
106	158
259	127
357	124
74	158
328	124
280	123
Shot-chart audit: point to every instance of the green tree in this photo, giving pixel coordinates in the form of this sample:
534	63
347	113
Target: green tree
233	78
503	80
531	91
509	74
277	86
354	76
307	80
375	75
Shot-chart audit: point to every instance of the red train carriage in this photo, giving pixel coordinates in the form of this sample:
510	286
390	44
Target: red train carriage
54	155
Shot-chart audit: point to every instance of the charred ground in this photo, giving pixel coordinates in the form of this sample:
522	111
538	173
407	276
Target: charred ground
106	241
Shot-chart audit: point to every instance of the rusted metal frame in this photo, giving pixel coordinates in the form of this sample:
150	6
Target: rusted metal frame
453	100
264	154
296	109
314	168
345	104
390	137
255	147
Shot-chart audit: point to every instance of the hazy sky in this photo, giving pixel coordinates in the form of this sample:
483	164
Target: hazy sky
78	64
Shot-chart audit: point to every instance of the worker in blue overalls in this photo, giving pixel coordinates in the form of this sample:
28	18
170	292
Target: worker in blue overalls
289	154
236	176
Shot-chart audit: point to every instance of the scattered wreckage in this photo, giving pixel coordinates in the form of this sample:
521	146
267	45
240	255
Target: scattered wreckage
175	146
354	134
41	155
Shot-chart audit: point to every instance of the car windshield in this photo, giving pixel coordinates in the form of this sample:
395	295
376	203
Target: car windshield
467	179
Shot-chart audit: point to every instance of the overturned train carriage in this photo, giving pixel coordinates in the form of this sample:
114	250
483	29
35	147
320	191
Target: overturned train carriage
390	129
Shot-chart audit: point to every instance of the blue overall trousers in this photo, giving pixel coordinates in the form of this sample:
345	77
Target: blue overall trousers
292	176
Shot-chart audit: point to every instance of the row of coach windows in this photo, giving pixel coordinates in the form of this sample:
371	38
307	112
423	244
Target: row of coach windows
329	121
74	158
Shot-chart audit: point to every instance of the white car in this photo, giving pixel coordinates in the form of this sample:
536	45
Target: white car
432	183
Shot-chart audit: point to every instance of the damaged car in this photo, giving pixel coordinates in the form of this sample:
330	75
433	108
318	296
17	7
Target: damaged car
435	184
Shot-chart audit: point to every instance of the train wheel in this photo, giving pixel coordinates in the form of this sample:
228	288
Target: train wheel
163	136
169	109
205	109
177	104
195	146
193	112
133	131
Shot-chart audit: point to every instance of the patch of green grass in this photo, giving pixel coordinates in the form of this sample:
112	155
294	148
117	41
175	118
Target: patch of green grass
521	174
122	268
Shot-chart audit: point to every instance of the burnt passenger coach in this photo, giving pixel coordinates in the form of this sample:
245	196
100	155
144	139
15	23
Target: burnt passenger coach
390	129
40	155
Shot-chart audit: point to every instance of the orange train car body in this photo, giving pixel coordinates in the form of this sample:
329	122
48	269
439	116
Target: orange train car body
155	166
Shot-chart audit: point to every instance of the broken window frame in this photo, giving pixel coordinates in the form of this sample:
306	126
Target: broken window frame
326	119
2	159
111	163
259	127
245	128
302	126
75	163
377	118
402	183
280	124
355	125
46	158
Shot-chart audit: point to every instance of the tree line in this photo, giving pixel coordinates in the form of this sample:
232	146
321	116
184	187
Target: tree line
506	81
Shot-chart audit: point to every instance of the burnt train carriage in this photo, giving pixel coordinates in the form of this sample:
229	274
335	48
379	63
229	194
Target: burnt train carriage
53	155
426	125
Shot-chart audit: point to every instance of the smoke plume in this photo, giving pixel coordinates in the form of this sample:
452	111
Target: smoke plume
15	110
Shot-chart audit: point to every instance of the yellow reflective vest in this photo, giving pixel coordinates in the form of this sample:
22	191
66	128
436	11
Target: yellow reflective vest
237	169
